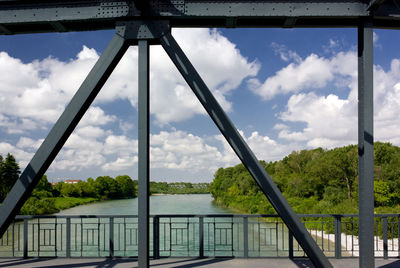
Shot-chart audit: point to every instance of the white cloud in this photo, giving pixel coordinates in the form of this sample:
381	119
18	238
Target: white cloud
284	53
331	120
25	142
313	72
120	164
33	95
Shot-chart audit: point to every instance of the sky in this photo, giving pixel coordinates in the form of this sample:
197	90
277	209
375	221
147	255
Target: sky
284	89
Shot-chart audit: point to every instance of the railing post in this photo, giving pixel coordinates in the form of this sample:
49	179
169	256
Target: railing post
111	237
385	237
245	237
398	235
290	245
156	237
68	237
338	236
201	237
25	238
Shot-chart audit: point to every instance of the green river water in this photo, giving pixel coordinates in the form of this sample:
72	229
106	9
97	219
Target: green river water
159	204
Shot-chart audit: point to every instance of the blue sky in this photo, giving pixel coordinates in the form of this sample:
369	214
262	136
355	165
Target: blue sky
285	90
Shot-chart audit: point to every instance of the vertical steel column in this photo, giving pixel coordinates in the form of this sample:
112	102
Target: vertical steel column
68	238
366	144
156	237
291	247
243	151
111	234
25	245
144	132
385	236
245	237
201	237
62	129
338	236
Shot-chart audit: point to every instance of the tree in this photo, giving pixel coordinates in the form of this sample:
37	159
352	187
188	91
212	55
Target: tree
43	188
126	186
9	174
71	190
106	187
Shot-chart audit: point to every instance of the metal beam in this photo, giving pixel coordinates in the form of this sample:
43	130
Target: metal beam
242	150
366	144
43	16
4	30
61	130
144	154
374	4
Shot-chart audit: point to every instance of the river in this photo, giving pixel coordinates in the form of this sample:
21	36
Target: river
159	204
178	236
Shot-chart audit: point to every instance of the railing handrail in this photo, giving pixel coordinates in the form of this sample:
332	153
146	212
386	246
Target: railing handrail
32	235
21	217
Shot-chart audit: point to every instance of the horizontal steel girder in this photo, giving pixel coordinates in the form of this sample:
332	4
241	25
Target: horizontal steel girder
61	16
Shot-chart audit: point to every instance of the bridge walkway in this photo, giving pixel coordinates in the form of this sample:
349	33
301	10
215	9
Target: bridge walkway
186	263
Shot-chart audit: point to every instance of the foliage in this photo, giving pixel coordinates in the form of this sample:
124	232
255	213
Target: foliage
313	181
38	206
9	174
69	202
178	188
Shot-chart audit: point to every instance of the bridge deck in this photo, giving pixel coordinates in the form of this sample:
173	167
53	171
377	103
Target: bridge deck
187	262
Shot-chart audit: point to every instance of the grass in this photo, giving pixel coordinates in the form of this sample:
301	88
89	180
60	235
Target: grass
69	202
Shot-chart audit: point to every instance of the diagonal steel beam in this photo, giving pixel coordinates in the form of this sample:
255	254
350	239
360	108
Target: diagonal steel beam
61	130
242	150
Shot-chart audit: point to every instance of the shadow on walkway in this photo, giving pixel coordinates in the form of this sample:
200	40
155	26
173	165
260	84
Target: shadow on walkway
123	262
395	264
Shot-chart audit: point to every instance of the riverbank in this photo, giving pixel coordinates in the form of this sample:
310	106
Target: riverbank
62	203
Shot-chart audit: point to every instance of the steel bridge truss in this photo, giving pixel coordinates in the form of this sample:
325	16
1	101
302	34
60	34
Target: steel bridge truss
145	23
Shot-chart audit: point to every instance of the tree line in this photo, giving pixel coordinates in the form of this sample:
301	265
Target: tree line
47	198
313	181
179	188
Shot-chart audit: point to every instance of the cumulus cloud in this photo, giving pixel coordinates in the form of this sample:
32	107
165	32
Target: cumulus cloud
34	94
313	72
331	120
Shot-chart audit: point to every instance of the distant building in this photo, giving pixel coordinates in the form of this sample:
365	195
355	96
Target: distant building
72	181
53	183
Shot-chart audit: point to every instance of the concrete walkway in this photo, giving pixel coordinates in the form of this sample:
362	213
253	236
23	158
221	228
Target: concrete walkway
186	263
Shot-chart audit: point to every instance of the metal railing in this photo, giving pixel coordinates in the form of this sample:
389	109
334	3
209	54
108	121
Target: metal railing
192	236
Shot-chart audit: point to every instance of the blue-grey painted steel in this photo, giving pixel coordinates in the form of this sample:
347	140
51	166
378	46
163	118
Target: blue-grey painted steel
201	237
242	150
60	16
245	237
366	144
61	131
291	255
68	238
144	154
111	234
156	237
338	232
385	237
25	244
